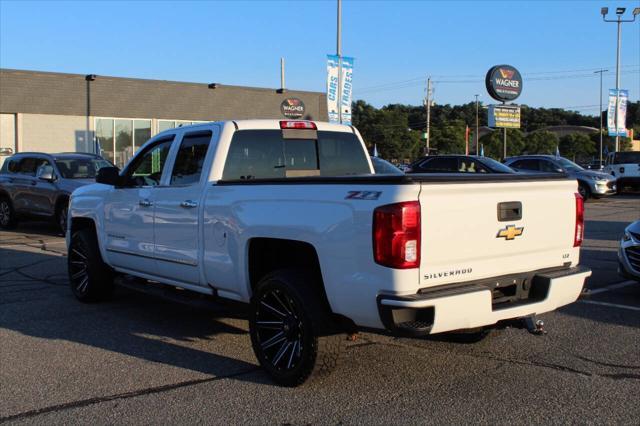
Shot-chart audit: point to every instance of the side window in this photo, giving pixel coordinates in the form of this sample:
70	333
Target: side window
14	166
28	166
190	159
40	163
467	165
442	165
548	166
255	154
526	164
146	168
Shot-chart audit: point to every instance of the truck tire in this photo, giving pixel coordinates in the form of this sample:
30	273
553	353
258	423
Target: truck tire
8	219
291	329
91	280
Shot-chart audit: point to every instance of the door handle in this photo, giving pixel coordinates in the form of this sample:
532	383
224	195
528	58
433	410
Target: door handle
145	203
188	204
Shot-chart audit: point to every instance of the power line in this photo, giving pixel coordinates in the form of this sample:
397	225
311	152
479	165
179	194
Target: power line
418	81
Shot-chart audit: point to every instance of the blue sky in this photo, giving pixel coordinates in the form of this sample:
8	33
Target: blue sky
556	45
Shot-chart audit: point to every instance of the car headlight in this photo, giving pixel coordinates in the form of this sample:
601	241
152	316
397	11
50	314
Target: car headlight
626	237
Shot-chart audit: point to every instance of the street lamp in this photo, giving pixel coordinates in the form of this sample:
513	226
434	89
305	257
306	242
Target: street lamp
619	12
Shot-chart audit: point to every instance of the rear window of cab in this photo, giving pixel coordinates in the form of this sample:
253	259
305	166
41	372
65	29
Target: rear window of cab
266	154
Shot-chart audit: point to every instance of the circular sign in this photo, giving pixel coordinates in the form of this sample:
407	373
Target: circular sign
504	83
292	108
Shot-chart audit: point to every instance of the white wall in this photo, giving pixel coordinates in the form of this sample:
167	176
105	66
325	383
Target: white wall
54	133
7	133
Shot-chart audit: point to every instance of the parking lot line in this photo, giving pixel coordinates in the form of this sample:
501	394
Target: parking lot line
612	287
611	305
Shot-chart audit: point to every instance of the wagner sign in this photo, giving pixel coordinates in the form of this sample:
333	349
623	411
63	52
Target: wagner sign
292	108
504	83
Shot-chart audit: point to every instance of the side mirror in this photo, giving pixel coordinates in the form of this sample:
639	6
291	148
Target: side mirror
46	173
559	170
108	176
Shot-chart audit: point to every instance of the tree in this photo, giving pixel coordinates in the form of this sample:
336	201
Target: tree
577	146
541	142
449	139
493	143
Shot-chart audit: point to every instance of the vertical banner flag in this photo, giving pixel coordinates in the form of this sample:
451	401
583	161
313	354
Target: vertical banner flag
332	88
622	112
620	129
347	89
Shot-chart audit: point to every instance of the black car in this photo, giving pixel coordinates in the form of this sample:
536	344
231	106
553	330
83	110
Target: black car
458	164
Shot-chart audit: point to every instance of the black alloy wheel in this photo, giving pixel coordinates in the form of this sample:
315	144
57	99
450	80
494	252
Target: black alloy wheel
291	330
7	214
90	279
279	329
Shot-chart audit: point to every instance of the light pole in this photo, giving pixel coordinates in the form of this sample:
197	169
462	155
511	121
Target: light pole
619	12
476	123
600	72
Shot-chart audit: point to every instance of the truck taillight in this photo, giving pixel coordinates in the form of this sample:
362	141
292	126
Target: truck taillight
298	124
578	235
396	235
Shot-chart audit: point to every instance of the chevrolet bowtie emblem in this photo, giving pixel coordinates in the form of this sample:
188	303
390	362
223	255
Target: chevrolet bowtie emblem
510	232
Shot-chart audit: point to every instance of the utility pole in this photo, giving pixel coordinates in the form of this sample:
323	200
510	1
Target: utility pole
600	72
476	132
339	53
428	106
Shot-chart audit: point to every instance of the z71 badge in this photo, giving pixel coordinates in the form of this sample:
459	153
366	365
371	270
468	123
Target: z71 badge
363	195
510	232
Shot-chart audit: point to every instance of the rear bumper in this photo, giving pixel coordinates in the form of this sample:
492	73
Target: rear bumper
472	305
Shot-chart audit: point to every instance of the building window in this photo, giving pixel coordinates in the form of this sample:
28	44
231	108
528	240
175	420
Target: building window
165	125
172	124
120	138
104	135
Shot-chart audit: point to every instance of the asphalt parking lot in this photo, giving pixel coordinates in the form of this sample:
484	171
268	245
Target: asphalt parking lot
139	359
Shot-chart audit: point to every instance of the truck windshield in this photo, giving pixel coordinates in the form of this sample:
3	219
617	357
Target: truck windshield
626	158
265	154
80	168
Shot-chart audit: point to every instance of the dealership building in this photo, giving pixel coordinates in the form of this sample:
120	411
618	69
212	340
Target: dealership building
54	112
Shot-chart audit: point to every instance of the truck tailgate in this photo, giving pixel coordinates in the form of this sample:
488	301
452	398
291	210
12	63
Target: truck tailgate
464	239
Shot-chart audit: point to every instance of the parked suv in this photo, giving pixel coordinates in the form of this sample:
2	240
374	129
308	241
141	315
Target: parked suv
590	183
34	184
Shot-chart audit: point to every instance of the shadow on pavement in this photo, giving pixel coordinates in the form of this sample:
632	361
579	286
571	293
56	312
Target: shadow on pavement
133	324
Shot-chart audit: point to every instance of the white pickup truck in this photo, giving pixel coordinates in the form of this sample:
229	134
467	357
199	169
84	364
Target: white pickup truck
288	217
